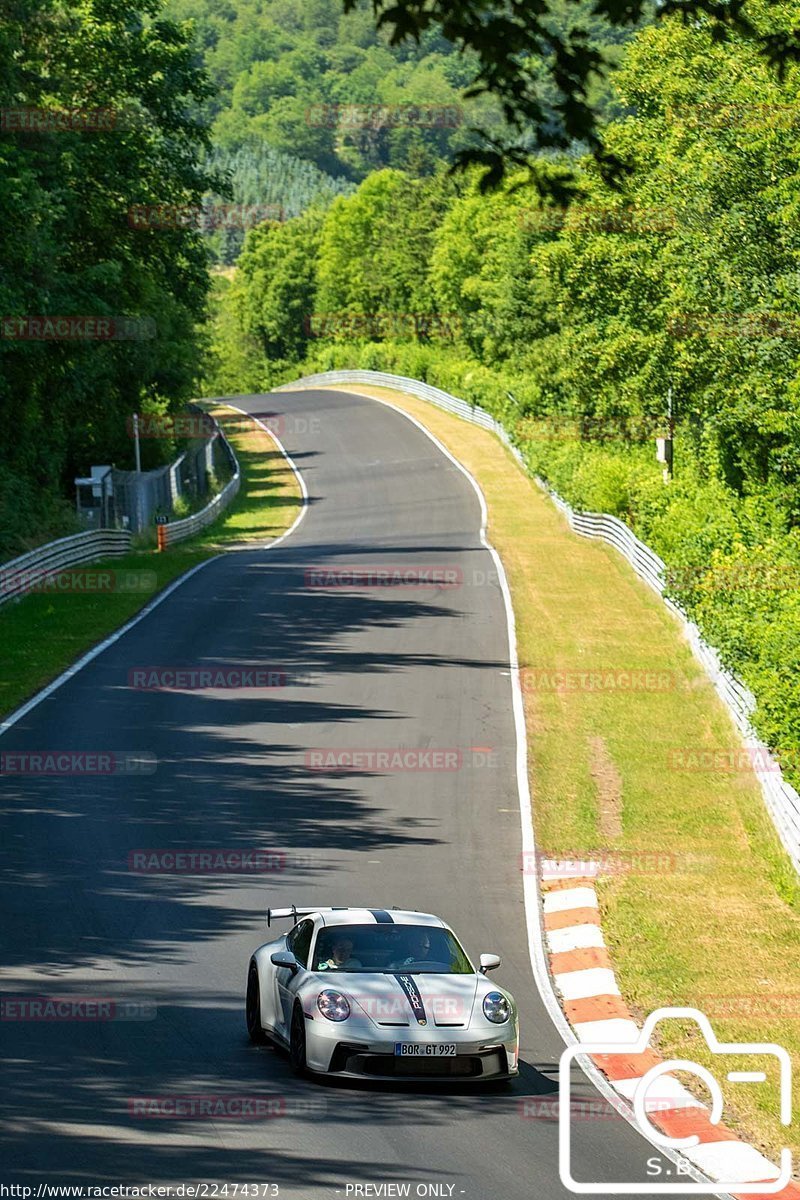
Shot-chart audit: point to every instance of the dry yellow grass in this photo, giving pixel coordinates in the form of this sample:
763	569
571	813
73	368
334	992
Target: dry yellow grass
270	496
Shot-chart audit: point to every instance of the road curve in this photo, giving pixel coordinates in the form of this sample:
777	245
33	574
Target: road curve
423	668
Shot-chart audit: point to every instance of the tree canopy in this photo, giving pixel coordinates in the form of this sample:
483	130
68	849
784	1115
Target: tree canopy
100	101
518	44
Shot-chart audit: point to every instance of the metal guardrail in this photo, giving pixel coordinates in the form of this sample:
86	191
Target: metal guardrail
30	571
782	801
178	531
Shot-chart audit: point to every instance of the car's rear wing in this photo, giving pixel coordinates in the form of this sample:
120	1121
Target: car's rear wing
294	912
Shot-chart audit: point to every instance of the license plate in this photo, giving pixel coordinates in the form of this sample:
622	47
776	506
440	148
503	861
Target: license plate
422	1050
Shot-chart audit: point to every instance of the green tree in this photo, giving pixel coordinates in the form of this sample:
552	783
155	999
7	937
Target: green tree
276	285
71	190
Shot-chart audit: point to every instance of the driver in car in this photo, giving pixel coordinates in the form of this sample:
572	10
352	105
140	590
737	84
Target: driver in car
418	949
341	957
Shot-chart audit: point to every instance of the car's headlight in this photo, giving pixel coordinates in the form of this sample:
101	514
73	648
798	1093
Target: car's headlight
333	1005
496	1008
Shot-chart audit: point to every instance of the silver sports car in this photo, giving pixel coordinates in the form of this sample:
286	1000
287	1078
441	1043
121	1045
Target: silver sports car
382	994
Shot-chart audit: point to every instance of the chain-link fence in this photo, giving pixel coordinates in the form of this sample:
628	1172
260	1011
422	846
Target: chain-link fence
132	500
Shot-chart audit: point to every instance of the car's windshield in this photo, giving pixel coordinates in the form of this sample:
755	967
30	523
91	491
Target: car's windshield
412	949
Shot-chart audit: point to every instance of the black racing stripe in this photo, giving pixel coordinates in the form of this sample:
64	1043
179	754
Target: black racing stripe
382	916
414	999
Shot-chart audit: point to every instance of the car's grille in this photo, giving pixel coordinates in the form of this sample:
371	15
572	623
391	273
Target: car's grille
439	1068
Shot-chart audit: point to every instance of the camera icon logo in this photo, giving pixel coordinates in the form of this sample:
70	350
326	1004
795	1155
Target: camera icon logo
642	1104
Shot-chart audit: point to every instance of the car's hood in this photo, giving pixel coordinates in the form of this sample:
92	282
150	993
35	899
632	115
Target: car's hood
397	999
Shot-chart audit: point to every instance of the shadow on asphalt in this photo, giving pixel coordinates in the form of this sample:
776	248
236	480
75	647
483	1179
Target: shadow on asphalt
103	1093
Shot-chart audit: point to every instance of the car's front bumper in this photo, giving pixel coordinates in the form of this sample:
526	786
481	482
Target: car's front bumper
358	1052
363	1063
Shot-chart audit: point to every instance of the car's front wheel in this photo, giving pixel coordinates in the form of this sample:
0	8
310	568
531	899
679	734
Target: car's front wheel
297	1042
253	1007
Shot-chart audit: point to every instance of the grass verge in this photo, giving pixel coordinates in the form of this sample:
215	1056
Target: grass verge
708	915
41	634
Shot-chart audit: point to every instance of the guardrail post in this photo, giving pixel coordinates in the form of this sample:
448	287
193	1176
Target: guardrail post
161	532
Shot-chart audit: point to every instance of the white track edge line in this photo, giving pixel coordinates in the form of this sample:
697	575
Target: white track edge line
97	650
302	483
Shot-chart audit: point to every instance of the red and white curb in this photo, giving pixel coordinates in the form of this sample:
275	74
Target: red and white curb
584	978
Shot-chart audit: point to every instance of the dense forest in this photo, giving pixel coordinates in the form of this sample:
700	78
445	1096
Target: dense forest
306	100
302	77
574	324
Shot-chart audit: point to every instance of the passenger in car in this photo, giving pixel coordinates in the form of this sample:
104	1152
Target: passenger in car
340	957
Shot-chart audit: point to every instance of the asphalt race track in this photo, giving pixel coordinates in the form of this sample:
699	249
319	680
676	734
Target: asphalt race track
423	668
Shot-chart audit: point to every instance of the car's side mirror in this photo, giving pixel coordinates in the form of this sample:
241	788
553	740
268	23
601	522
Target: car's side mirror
489	962
284	958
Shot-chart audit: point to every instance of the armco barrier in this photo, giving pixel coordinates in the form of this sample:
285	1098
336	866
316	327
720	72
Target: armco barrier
783	802
24	574
27	572
177	531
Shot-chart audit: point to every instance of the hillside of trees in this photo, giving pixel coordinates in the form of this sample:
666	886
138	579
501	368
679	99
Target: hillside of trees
572	324
307	100
303	78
